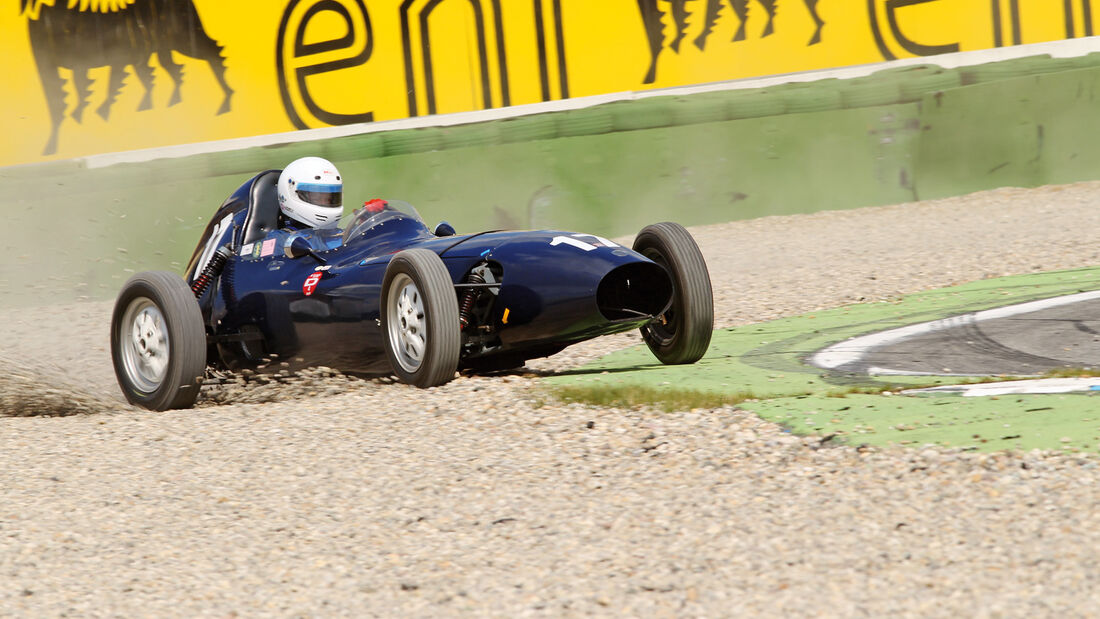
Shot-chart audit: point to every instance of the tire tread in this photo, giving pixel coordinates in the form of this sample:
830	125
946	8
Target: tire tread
186	333
444	344
685	259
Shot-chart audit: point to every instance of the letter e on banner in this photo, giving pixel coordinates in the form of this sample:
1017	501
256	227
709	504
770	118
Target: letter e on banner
297	59
893	15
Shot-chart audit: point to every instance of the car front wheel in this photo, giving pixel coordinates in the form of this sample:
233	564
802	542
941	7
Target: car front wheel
419	317
158	343
682	333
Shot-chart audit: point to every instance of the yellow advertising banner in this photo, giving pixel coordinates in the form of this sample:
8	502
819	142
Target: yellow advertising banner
96	76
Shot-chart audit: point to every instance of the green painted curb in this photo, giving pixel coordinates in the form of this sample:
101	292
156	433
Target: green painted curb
767	360
1022	423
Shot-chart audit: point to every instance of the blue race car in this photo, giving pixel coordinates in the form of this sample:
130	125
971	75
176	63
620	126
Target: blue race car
385	294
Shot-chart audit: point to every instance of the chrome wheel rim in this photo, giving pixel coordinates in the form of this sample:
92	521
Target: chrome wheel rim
406	323
145	345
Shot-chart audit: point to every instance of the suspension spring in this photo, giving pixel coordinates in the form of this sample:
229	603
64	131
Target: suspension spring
212	269
469	297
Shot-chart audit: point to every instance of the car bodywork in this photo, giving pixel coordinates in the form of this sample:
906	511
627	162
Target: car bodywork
522	294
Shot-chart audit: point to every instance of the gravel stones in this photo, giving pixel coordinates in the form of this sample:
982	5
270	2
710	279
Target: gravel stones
321	494
29	388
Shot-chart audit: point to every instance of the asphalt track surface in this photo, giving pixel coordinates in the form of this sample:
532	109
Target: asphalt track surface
832	372
1014	340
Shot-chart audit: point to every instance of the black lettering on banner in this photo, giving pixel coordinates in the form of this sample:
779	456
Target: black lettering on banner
890	8
414	21
426	53
1086	16
301	49
559	40
1014	16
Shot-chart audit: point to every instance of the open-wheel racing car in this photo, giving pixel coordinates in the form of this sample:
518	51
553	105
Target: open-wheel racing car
393	296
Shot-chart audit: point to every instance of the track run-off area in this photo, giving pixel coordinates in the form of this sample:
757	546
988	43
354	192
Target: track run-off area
854	373
325	495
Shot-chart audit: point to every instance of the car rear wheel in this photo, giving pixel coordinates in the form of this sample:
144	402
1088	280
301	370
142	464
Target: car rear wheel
158	343
420	319
682	333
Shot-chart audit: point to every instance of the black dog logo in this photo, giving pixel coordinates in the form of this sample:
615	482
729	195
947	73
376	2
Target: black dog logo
85	34
651	18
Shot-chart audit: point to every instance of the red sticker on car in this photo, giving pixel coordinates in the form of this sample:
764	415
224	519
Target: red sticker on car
311	282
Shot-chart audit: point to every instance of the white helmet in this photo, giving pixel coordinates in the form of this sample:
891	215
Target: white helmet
311	192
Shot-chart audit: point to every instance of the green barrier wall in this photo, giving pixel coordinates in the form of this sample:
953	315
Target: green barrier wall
901	134
1025	131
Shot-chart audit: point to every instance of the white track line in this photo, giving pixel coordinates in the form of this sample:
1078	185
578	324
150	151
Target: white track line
1046	385
853	350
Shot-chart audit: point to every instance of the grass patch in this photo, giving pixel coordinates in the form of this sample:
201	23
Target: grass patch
630	396
674	399
866	390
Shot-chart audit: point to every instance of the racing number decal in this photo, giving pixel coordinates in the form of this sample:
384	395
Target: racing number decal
579	244
214	241
311	282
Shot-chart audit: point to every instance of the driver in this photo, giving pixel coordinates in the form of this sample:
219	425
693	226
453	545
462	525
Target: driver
310	203
311	193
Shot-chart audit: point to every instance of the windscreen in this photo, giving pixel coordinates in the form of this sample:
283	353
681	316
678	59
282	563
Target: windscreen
375	213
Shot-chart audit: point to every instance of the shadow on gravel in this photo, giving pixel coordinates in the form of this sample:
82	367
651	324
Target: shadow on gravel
586	371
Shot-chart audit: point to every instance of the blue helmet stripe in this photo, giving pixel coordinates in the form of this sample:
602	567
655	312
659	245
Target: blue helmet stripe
319	188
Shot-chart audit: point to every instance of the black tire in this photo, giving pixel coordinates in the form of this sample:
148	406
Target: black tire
419	306
158	342
682	334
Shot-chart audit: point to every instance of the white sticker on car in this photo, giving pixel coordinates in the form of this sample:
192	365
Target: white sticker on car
575	241
219	231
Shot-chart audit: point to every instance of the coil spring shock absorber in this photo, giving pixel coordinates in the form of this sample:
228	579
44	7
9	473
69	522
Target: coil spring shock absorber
212	269
469	297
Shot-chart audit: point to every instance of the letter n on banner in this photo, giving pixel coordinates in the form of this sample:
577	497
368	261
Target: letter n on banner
1010	11
424	41
434	32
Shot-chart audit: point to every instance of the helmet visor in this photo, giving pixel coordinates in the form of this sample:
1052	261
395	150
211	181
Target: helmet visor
321	194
